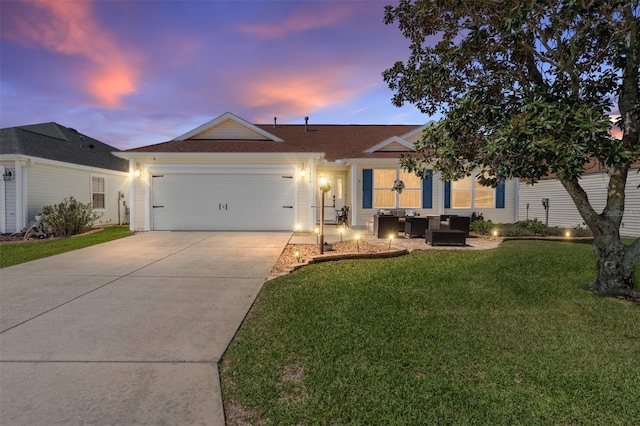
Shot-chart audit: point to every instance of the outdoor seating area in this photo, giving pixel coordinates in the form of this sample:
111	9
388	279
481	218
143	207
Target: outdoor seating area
436	230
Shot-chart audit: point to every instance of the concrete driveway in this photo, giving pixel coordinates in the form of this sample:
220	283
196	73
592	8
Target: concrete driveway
127	332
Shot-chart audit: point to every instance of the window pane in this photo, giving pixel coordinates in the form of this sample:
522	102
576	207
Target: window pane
484	198
461	199
383	178
384	198
410	198
462	183
97	184
410	180
98	201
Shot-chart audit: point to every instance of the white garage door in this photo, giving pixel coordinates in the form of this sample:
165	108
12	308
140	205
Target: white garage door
222	202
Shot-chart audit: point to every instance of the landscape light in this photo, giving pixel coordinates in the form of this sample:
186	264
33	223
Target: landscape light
390	239
358	242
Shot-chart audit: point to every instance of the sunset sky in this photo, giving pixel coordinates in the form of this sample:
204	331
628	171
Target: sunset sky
132	73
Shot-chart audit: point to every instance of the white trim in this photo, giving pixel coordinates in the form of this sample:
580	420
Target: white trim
33	160
151	156
105	192
3	202
438	176
21	194
418	130
516	211
224	117
353	212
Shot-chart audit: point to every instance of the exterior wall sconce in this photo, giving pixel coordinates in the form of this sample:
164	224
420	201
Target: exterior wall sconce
7	176
137	172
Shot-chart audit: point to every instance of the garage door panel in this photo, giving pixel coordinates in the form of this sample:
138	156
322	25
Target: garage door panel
215	201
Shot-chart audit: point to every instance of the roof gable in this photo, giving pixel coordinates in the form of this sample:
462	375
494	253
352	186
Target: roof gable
228	126
393	144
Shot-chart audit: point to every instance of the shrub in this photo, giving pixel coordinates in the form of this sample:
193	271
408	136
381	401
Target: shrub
534	226
70	217
483	227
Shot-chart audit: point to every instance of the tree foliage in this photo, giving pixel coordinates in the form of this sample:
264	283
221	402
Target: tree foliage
528	89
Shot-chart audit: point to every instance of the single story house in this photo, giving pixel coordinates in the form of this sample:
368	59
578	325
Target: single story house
230	174
42	164
561	211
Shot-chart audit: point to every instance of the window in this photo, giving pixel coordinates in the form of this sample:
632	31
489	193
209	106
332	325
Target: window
385	197
469	193
97	192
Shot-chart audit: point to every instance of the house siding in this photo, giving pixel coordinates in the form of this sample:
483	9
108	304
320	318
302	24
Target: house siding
230	129
49	184
562	210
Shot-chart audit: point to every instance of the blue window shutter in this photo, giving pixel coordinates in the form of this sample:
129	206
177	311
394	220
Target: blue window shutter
367	188
500	195
427	190
447	194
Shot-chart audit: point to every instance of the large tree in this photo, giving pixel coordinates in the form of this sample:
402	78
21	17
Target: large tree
528	89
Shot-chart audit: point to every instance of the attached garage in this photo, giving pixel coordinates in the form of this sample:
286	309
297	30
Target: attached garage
238	200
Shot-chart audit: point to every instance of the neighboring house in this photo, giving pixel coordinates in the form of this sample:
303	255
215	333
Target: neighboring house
563	212
229	174
41	164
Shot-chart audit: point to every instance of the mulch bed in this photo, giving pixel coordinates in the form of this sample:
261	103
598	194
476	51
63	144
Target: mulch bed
308	251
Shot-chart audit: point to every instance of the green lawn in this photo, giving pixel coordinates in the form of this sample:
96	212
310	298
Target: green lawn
507	336
13	254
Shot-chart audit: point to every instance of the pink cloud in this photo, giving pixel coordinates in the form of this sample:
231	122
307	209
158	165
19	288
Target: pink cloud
70	29
300	21
301	93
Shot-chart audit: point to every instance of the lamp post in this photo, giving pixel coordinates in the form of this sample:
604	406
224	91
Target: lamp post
324	187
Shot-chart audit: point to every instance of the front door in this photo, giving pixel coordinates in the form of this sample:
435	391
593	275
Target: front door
334	198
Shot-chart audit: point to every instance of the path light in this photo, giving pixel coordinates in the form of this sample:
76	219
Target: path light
341	230
297	255
317	232
325	186
390	239
494	233
567	234
358	242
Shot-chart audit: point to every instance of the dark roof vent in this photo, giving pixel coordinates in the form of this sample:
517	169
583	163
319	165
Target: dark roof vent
275	119
92	146
306	124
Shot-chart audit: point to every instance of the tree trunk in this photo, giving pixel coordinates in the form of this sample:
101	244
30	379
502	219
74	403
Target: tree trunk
615	263
614	260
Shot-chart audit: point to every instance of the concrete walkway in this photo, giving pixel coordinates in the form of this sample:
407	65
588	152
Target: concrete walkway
332	234
127	332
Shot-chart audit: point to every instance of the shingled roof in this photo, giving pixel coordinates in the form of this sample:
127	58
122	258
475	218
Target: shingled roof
55	142
337	142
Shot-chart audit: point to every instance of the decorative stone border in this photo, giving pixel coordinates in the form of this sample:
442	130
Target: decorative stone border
340	256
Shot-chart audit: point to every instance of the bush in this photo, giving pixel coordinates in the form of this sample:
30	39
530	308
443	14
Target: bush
70	217
483	227
534	226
